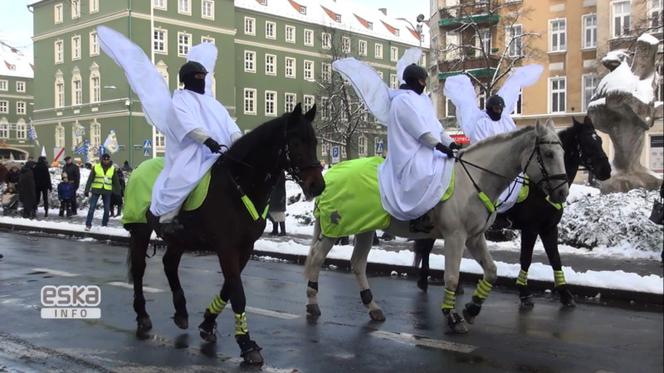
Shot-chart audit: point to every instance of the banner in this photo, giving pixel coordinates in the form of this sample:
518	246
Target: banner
111	144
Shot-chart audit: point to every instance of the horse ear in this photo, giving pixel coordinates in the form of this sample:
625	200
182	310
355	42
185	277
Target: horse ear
549	123
587	121
298	109
311	114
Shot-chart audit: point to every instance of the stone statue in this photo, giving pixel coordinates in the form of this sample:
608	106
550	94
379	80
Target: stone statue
623	106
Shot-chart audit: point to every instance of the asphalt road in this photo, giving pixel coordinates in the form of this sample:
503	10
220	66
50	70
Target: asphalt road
590	338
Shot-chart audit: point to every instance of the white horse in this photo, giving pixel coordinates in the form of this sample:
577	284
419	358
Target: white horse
488	167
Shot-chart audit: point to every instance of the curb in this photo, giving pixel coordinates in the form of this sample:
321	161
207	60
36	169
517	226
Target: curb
613	295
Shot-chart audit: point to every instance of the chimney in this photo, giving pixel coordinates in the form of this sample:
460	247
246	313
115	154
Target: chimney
383	10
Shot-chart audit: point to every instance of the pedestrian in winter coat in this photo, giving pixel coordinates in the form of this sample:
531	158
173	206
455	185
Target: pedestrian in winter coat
66	194
13	175
26	190
102	181
42	183
126	167
118	194
74	176
277	211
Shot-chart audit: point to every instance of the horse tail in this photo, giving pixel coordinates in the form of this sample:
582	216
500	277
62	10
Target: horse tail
308	269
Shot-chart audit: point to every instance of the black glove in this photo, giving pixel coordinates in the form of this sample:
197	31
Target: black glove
445	150
213	145
86	194
454	146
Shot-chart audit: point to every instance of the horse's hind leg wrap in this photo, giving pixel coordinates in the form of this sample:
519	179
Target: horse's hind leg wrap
482	291
449	301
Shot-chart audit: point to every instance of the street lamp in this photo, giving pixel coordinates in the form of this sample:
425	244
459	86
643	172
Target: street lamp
418	28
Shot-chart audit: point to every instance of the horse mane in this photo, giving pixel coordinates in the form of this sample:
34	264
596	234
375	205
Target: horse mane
265	133
498	138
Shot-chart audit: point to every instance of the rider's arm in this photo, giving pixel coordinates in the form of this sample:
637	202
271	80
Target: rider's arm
198	135
429	140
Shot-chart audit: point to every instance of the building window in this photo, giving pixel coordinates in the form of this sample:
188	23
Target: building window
303	10
159	142
514	40
160	4
76	88
452	45
378	51
290	34
656	162
380	74
207	9
184	43
450	109
557	93
95	84
362	48
94	6
326	72
4	107
59	90
162	68
59	136
4	128
621	18
394	54
362	146
518	107
326	40
59	51
270	30
20	86
483	43
94	44
270	64
394	81
4	85
75	9
77	132
290	67
250	61
95	137
289	101
655	12
207	39
345	44
160	41
271	103
250	101
558	32
57	13
309	70
20	108
308	102
309	38
324	107
370	25
589	85
21	129
184	7
249	26
589	23
76	47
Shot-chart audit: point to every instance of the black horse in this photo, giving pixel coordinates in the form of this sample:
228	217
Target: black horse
231	219
536	216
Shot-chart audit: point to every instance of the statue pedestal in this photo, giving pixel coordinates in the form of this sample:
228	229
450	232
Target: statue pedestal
622	182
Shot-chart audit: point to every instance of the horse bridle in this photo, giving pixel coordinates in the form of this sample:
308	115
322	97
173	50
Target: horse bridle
587	160
291	169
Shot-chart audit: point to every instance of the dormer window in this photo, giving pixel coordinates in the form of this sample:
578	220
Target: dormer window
370	25
338	18
303	10
262	2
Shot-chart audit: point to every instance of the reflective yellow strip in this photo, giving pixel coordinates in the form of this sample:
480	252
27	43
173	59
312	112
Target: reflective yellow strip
250	207
523	278
483	289
217	305
450	188
558	206
241	327
449	300
267	207
559	277
524	191
490	206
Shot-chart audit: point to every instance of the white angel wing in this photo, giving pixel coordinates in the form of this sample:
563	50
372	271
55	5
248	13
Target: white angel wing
460	91
143	77
368	85
410	56
206	55
519	78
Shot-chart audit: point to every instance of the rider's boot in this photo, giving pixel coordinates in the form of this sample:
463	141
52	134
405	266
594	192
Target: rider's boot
423	224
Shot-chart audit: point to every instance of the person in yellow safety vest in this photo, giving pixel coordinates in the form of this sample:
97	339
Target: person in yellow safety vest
103	180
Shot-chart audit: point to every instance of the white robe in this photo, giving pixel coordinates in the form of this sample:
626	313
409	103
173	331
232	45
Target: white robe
477	125
187	161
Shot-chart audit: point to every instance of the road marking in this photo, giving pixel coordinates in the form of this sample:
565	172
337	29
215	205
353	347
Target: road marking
424	342
125	285
270	313
55	272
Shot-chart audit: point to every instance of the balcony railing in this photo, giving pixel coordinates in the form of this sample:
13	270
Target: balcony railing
463	14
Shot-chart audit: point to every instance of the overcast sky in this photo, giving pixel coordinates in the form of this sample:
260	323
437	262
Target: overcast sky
16	19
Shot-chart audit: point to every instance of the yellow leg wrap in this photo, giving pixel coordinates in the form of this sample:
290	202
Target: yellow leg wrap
241	327
217	305
448	302
523	278
483	289
559	278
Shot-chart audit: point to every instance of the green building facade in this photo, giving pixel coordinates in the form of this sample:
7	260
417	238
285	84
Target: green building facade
16	103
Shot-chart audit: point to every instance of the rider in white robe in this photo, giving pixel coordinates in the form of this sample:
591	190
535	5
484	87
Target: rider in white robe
478	125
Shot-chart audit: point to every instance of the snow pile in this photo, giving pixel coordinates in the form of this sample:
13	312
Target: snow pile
616	56
618	220
622	80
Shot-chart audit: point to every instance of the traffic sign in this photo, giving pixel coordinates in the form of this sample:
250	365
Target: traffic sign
336	154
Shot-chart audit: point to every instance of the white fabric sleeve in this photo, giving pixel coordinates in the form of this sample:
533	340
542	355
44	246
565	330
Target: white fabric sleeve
199	135
368	86
429	140
445	138
460	91
521	77
235	136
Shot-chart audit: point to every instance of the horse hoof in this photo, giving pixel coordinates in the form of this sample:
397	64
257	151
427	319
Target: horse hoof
468	317
566	297
313	310
143	326
208	332
526	305
377	315
470	311
456	323
253	358
181	321
423	284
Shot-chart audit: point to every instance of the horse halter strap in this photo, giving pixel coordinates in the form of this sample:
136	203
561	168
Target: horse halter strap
546	178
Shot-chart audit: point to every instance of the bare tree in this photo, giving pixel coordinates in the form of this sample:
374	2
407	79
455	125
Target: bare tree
343	115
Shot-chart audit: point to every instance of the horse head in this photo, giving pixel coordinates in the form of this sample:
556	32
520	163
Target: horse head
301	160
591	153
548	168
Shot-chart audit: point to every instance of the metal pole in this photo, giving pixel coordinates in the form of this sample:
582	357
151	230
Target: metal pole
130	147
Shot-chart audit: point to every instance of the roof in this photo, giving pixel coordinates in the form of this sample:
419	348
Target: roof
343	15
14	63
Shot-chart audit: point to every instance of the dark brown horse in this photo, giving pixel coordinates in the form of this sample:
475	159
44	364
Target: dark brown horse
536	216
227	224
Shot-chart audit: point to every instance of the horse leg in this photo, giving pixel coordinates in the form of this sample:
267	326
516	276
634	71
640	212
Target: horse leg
479	251
454	246
171	262
422	250
318	251
528	238
139	240
208	328
550	241
358	264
